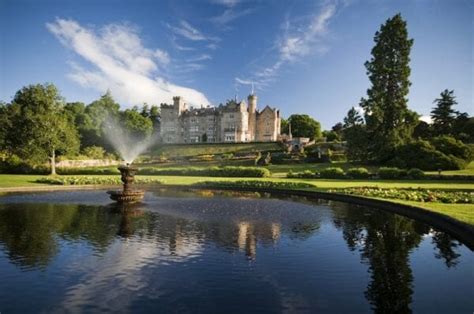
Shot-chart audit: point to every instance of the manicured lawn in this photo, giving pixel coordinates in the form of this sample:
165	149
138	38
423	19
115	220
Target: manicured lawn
463	212
468	171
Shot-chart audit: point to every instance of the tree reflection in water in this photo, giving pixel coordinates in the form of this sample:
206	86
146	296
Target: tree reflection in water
385	242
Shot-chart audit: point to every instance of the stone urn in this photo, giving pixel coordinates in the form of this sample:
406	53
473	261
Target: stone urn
127	195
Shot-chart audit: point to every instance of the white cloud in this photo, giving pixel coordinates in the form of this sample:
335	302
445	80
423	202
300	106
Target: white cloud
426	119
189	32
227	3
298	42
301	43
230	15
121	63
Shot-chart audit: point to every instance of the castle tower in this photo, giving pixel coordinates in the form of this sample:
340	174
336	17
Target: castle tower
252	100
179	105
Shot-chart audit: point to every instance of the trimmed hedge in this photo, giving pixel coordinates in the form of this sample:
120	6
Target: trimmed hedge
332	173
358	173
391	173
254	184
229	171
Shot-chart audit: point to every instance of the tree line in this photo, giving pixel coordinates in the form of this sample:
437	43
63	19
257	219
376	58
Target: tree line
39	125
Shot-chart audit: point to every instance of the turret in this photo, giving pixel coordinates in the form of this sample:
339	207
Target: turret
252	99
179	104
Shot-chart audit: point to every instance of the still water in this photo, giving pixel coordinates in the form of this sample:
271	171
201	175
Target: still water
222	252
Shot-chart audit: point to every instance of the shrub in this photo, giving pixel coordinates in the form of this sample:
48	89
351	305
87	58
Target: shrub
15	165
421	154
451	146
415	173
390	173
307	174
332	173
358	173
229	171
94	152
255	184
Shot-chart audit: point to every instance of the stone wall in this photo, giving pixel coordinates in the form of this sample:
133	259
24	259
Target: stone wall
86	163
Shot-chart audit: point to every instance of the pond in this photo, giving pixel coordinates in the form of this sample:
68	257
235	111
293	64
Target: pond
223	252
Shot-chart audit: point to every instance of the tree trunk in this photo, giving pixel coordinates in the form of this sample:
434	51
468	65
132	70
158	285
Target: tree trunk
53	163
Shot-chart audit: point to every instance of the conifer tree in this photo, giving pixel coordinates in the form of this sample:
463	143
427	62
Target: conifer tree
443	115
388	120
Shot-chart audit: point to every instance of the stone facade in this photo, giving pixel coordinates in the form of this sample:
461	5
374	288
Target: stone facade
234	122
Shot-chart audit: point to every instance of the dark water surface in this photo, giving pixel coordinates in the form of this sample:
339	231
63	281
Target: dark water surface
211	252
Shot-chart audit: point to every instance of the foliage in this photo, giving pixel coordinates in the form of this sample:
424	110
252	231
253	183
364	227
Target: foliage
303	125
389	123
355	134
391	173
82	180
255	184
450	146
418	195
415	173
421	154
332	173
94	152
14	164
39	128
307	174
358	173
136	125
228	171
443	115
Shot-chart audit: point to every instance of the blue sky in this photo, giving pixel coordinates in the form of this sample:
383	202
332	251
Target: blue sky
302	56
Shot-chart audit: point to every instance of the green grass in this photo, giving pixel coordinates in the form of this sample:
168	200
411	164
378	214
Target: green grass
468	171
463	212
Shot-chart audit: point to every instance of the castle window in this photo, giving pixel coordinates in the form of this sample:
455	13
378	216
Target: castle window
231	116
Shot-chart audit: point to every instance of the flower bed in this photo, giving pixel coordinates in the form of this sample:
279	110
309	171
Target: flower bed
80	180
417	195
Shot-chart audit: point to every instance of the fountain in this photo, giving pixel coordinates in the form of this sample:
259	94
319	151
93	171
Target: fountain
127	195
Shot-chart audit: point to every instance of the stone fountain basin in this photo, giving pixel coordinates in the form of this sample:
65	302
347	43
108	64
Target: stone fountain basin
131	196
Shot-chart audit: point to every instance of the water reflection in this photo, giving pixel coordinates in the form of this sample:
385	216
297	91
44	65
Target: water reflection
206	242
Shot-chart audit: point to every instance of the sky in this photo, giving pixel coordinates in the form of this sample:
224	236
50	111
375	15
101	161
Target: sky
304	57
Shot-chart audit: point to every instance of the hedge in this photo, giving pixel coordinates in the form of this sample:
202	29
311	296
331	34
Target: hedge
229	171
254	184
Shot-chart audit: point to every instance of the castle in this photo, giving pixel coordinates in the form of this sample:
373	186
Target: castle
233	122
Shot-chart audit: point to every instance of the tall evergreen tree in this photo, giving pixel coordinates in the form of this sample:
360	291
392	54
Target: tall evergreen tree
386	114
444	116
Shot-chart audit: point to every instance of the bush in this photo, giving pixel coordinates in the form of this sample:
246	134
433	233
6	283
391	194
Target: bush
391	173
416	173
421	154
209	172
332	173
307	174
15	165
451	146
94	152
358	173
255	184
